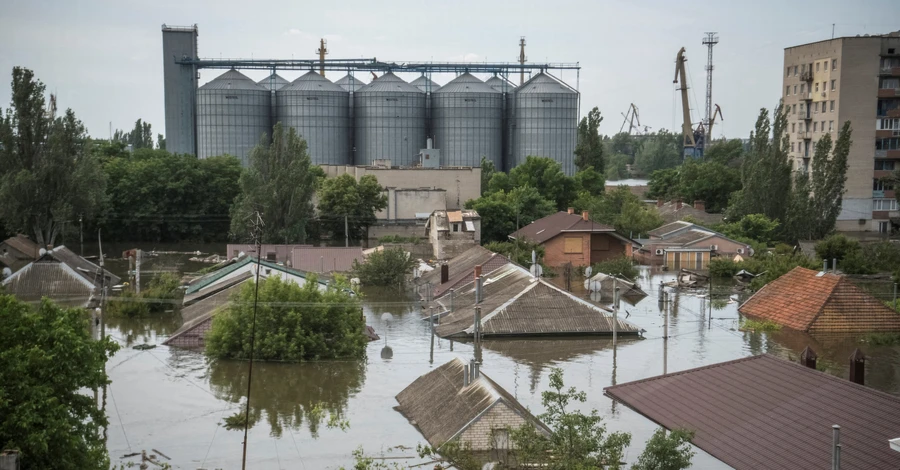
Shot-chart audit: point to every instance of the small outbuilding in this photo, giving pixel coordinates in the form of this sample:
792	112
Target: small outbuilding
453	232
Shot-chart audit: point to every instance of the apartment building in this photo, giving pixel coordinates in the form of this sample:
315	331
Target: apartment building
854	79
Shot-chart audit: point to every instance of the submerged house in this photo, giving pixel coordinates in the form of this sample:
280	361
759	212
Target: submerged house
18	251
823	303
513	302
447	405
453	232
458	271
683	244
62	276
574	238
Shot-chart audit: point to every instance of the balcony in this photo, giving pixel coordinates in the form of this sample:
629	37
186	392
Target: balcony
888	92
806	75
890	71
806	116
808	96
805	135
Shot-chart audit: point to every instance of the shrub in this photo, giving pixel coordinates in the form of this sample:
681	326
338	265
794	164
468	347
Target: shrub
759	325
882	339
723	267
756	227
293	323
519	251
387	267
621	266
161	294
836	246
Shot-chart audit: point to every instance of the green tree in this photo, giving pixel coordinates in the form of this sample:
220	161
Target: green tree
708	181
293	323
664	184
343	196
504	212
659	151
160	142
279	183
518	250
666	451
487	171
589	149
617	167
838	247
725	152
47	361
589	180
621	209
545	175
47	175
388	267
625	144
756	227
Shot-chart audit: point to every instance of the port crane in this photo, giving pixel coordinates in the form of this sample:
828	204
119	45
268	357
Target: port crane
694	139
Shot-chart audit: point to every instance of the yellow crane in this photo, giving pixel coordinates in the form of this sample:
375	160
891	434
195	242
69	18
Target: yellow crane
712	120
687	130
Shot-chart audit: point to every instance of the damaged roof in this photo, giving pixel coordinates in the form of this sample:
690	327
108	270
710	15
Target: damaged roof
465	262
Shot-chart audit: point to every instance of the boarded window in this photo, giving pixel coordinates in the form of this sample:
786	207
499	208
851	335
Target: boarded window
270	256
573	245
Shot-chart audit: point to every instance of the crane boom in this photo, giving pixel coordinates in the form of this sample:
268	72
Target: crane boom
717	112
686	129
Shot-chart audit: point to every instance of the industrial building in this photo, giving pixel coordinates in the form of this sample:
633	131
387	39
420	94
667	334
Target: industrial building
349	122
856	79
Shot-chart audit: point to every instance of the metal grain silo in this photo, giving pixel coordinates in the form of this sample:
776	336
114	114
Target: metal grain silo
273	82
545	121
349	83
425	84
468	122
389	121
232	115
319	111
501	85
508	89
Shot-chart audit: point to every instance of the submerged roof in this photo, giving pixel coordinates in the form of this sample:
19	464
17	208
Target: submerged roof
548	227
312	81
62	276
22	244
466	83
442	408
197	316
210	278
464	262
783	416
515	303
324	259
273	81
544	83
232	80
389	83
807	300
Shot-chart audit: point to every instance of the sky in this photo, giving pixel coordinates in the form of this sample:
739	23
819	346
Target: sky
104	59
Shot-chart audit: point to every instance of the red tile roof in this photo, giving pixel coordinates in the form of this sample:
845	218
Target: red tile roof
804	300
548	227
764	412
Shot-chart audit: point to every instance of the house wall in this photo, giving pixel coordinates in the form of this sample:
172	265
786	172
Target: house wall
687	259
479	434
555	249
402	230
725	246
282	252
404	203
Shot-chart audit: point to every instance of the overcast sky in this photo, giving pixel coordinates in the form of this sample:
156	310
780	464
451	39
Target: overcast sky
104	58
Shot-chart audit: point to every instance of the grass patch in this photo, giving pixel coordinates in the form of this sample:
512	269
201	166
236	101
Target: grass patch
882	339
759	325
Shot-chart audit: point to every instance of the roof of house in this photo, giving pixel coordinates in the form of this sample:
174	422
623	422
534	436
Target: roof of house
60	275
806	300
210	278
86	268
197	313
442	219
315	258
465	277
464	262
670	228
442	408
548	227
515	303
670	212
765	412
23	244
680	233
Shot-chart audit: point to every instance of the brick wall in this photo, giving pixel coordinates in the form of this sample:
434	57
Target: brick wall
479	434
556	255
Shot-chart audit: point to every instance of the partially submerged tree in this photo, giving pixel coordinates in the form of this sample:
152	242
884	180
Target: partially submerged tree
388	267
666	451
343	197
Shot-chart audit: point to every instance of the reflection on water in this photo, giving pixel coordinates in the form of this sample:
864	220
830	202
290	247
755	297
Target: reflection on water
146	330
287	393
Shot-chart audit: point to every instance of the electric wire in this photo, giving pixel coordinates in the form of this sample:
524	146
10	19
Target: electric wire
121	423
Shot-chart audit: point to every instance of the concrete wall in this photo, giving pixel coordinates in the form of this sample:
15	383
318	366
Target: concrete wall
447	244
479	434
461	184
282	252
403	230
405	203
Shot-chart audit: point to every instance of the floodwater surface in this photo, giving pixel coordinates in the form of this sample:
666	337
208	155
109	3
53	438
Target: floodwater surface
176	401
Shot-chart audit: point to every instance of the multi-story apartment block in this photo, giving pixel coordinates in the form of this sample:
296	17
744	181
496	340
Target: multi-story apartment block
854	79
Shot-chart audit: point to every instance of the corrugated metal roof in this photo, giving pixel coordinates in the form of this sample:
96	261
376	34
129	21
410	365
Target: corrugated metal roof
803	300
52	278
543	83
208	279
500	85
548	227
267	82
764	412
462	263
84	267
350	83
441	407
312	81
192	332
425	84
23	245
232	80
661	232
312	258
466	83
389	83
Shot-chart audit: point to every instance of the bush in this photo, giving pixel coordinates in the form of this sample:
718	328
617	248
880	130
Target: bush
759	325
723	267
387	267
756	227
161	295
293	323
771	266
622	266
836	246
518	251
882	339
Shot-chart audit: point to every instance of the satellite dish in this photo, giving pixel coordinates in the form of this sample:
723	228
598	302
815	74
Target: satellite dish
42	252
537	270
387	317
588	271
6	273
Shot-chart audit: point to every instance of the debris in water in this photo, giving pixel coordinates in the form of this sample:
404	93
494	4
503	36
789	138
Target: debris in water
143	347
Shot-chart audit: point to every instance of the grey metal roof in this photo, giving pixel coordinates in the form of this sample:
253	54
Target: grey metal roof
232	80
197	314
312	81
466	83
267	82
500	84
350	83
389	83
425	84
461	263
52	278
543	83
84	267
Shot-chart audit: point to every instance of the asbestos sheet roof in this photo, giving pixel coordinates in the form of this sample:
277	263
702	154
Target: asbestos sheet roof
514	303
467	277
764	412
339	259
312	81
49	277
661	232
548	227
465	262
198	313
806	300
84	267
232	80
23	245
440	406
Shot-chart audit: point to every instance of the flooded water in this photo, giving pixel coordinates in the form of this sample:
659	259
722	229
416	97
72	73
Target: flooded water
176	401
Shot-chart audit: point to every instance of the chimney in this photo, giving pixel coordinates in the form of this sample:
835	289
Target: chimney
49	247
445	273
471	370
571	210
479	289
678	204
477	370
808	358
584	215
858	367
465	375
477	271
700	205
660	202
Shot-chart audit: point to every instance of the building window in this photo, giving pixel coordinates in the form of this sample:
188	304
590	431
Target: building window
456	227
572	245
815	126
800	127
890	83
884	204
832	106
793	127
822	126
833	85
795	89
833	64
270	256
794	108
889	124
887	144
787	90
802	88
816	108
888	165
884	227
817	87
817	66
792	146
788	72
830	126
880	185
801	108
795	70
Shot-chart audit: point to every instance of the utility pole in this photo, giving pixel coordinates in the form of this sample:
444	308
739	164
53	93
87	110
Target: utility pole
709	41
257	239
522	60
81	231
346	232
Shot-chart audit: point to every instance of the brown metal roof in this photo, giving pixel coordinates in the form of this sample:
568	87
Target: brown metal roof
807	300
440	406
464	262
467	277
548	227
24	245
454	216
314	258
764	412
84	267
517	304
50	278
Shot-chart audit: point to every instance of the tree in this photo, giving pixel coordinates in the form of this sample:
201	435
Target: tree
666	451
756	227
293	323
725	152
47	361
518	250
659	151
48	176
487	171
589	149
279	183
617	167
545	175
589	180
504	212
388	267
708	181
664	184
624	143
160	142
343	196
621	209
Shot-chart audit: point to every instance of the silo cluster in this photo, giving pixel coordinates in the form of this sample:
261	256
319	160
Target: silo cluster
348	122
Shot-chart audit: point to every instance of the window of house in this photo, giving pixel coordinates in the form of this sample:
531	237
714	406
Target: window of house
787	72
795	70
833	64
801	108
816	108
817	87
793	127
889	124
572	245
795	89
814	126
270	256
832	106
802	88
890	83
830	126
884	204
822	126
887	144
456	227
800	127
787	90
879	185
817	66
833	85
885	165
794	108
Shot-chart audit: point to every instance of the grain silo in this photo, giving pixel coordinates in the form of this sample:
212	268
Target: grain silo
425	84
232	115
319	111
468	122
545	121
389	121
501	85
349	83
508	89
273	82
